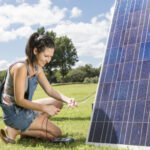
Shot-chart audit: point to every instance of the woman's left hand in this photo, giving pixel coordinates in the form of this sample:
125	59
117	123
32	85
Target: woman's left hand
72	103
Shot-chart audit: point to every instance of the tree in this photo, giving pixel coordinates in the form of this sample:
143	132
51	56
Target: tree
76	75
83	73
41	30
65	55
90	71
51	34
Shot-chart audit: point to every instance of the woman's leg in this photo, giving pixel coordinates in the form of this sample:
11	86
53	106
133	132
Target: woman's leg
39	126
12	132
42	128
38	134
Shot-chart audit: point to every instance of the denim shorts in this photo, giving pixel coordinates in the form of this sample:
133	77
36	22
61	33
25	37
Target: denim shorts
18	117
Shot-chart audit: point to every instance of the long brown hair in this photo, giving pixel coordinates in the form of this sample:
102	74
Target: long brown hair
37	41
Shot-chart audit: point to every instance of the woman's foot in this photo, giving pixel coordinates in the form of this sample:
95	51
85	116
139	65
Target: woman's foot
11	132
4	138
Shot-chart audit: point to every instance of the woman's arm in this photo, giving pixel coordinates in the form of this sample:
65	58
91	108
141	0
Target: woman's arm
19	77
52	92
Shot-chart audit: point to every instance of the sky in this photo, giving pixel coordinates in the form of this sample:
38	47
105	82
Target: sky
85	22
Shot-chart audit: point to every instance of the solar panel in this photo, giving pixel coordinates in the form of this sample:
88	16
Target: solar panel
121	113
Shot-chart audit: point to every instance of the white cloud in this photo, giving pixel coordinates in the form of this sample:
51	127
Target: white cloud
88	38
6	36
3	64
42	13
24	31
75	12
20	1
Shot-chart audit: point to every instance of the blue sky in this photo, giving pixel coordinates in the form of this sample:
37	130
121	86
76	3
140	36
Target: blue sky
86	22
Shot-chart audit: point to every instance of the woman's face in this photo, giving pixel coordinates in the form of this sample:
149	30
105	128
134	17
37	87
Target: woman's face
43	57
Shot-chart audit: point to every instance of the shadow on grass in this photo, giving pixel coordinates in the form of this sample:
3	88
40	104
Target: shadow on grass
68	118
32	142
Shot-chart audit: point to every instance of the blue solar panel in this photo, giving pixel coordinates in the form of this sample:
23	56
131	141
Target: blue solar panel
121	113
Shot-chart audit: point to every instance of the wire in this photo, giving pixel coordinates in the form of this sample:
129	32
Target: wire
86	98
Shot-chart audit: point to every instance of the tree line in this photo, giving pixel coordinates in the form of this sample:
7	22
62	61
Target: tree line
85	74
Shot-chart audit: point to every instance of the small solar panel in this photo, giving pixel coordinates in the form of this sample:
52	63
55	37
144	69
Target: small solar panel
121	114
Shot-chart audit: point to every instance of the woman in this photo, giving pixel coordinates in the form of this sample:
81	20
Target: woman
21	115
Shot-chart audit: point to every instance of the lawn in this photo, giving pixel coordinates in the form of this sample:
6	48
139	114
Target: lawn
73	122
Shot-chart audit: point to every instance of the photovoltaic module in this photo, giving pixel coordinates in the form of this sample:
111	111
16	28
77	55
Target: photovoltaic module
121	114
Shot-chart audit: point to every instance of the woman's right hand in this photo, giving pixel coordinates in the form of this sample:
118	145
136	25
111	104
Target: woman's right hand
51	110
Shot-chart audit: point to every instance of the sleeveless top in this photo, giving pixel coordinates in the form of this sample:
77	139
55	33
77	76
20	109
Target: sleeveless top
9	85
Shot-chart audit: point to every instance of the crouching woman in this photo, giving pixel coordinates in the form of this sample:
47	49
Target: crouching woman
21	115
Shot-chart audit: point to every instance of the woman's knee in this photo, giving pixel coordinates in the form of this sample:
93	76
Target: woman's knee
53	129
48	126
57	133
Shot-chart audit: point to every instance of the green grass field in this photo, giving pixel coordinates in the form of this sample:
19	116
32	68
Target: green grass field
73	122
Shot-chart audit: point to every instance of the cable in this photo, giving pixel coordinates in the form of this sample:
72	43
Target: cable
86	98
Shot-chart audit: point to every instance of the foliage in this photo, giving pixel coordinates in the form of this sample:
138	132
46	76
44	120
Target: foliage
80	73
76	75
51	34
41	30
59	77
66	54
90	70
91	80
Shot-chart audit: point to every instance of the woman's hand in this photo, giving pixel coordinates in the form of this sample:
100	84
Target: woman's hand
72	103
51	110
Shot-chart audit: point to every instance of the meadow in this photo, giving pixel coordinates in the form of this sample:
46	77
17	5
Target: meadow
73	122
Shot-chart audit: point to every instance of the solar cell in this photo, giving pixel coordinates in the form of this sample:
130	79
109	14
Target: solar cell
121	113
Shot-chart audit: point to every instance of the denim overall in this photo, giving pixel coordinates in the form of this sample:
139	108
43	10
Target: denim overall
18	117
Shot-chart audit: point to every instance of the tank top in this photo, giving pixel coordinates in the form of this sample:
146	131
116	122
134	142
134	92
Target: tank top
9	86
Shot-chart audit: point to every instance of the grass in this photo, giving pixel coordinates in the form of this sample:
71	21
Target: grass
73	122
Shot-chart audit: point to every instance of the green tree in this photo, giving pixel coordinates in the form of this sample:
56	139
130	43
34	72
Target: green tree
90	70
83	74
65	55
51	34
41	30
76	75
